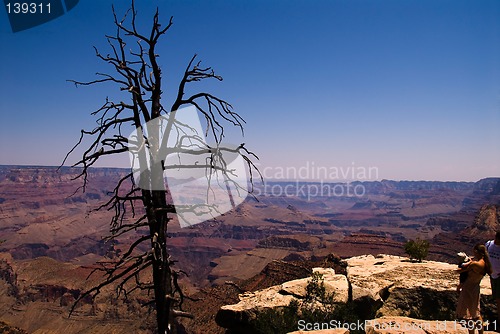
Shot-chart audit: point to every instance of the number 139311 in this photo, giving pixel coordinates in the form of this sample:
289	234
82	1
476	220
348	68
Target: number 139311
27	8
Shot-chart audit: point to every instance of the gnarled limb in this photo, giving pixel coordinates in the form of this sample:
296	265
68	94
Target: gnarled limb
138	75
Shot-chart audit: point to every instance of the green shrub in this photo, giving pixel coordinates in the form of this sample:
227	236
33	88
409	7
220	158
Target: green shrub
315	289
417	249
277	321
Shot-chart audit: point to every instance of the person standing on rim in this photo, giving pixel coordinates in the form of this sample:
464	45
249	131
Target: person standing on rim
468	306
493	247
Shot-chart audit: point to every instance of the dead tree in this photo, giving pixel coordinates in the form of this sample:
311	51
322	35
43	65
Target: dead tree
137	74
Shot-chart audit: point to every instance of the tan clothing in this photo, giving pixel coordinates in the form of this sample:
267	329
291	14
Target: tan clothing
468	301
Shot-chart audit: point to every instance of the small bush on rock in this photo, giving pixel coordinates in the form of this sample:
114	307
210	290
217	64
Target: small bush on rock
417	249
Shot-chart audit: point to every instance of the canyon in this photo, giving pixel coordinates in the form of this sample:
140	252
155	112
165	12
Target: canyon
51	240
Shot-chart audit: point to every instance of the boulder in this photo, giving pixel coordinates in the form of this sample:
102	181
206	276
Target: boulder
388	285
240	316
383	287
250	305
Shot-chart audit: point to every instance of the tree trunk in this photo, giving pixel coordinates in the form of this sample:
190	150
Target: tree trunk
162	275
161	267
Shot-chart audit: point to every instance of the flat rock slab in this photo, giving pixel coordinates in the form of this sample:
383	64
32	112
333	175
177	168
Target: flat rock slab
370	276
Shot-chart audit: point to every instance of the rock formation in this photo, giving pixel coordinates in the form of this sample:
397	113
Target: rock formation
242	314
394	286
37	295
384	287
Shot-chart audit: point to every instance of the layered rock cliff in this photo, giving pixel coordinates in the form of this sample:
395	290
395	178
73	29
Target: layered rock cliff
37	296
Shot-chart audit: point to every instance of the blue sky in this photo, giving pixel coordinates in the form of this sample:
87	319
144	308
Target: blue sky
409	87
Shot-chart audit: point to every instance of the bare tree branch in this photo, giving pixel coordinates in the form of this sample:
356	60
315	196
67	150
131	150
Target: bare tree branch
139	212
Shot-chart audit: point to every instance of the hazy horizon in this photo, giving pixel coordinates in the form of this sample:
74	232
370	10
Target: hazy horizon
275	180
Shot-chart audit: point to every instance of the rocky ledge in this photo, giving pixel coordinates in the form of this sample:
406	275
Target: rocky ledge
384	287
